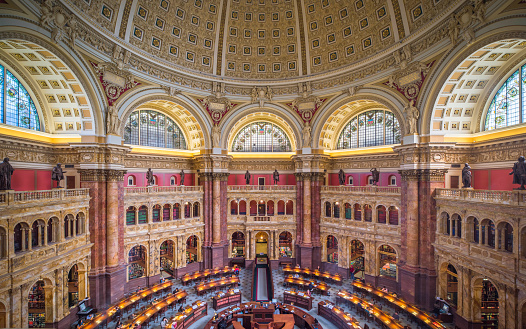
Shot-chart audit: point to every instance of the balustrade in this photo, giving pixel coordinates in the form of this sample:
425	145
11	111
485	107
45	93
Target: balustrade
14	197
259	188
162	189
486	196
363	189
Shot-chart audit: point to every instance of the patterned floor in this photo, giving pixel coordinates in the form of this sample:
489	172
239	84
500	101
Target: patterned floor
245	277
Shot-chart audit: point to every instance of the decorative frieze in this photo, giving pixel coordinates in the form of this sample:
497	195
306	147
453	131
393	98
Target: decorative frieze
426	175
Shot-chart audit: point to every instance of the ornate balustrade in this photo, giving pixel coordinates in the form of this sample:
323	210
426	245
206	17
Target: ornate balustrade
382	190
162	189
252	219
516	198
18	197
261	188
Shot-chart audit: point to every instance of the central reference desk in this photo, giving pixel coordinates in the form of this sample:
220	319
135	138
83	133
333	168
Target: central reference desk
222	299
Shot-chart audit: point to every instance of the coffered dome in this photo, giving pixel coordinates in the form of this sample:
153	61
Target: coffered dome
263	39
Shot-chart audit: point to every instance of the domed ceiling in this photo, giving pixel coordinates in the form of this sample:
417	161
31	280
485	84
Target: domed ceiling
262	39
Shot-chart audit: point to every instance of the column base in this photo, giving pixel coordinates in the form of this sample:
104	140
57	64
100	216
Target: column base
380	281
308	256
215	256
417	288
107	288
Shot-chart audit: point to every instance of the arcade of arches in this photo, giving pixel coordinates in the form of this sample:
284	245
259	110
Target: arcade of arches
262	137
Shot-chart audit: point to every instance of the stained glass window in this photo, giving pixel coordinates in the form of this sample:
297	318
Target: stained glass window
151	128
261	137
371	128
507	107
16	106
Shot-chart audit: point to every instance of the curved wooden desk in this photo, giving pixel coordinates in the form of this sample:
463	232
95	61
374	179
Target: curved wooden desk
302	319
188	316
325	276
411	309
216	284
386	319
159	306
187	278
102	317
337	316
303	284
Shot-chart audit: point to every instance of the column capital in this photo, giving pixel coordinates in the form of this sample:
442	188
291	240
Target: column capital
101	175
301	176
426	175
220	176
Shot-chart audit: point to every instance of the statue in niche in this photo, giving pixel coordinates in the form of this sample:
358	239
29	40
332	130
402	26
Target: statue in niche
247	178
216	136
149	177
341	177
519	173
182	176
57	174
306	135
112	120
466	176
6	170
376	176
275	176
412	115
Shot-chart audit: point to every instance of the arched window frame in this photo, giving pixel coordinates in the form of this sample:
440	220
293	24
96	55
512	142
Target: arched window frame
511	115
10	111
363	136
351	180
131	180
137	131
173	181
392	180
268	142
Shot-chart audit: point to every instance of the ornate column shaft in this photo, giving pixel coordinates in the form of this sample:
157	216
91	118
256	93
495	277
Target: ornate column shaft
307	214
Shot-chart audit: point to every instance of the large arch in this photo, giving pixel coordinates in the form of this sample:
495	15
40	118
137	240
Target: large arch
328	123
72	78
195	125
455	58
291	124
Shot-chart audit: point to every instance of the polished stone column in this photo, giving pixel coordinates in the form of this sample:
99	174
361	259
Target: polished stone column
307	215
216	236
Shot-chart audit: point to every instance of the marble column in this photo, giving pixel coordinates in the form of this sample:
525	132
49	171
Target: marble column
216	221
307	215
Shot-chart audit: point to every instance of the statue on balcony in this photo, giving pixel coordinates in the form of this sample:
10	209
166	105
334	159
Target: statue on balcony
341	177
376	176
57	174
182	176
149	177
247	178
275	176
466	176
6	170
519	173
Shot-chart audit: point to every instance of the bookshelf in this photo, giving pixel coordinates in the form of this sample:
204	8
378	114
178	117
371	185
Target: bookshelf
37	306
388	261
489	306
135	270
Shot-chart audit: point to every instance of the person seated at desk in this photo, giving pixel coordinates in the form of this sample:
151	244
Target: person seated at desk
162	279
316	324
297	265
311	285
164	322
181	309
396	316
384	289
90	316
394	295
118	325
296	276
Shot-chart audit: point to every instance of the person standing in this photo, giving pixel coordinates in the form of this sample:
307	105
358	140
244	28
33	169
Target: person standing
351	272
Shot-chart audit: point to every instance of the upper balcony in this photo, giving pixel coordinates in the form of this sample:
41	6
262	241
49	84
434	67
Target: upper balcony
363	190
162	190
27	198
137	196
512	198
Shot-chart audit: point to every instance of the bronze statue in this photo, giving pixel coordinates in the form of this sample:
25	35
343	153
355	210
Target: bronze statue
182	176
376	176
149	177
247	178
519	173
341	177
6	170
58	174
466	176
275	175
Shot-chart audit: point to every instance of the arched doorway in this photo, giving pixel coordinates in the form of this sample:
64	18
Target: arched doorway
486	303
191	249
387	261
73	286
137	262
357	257
166	256
37	306
261	243
238	245
332	249
285	244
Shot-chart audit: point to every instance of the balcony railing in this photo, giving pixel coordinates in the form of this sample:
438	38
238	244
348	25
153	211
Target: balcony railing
162	189
257	188
501	197
8	198
363	189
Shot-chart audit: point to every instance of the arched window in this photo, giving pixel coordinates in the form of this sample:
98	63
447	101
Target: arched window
131	180
16	106
371	128
151	128
173	180
507	107
392	180
351	180
261	137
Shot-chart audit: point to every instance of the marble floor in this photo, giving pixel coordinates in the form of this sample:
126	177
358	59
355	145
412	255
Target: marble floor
245	277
